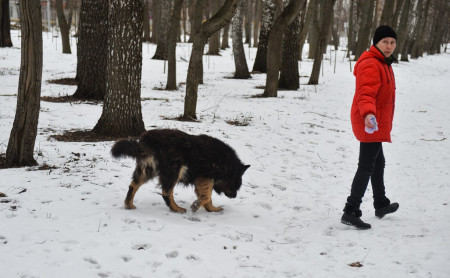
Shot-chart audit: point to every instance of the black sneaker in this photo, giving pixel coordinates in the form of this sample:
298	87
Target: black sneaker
380	213
355	221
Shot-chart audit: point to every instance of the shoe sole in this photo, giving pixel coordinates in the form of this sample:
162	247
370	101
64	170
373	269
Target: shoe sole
351	224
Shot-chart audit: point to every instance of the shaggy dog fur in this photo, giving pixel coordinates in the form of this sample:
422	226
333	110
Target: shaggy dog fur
177	157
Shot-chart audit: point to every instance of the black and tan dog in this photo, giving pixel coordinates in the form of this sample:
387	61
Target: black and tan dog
177	157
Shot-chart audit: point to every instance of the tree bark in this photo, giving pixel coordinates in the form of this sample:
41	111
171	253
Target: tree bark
289	75
172	63
161	48
146	21
279	27
322	43
156	20
5	24
218	21
314	28
23	134
421	24
387	16
402	31
92	50
198	18
122	116
248	21
305	27
238	47
260	64
257	21
225	37
63	27
363	41
214	41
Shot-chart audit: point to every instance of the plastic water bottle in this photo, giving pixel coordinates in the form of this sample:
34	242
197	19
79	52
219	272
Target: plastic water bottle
371	130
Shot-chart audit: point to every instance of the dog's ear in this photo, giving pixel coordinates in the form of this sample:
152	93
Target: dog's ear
244	168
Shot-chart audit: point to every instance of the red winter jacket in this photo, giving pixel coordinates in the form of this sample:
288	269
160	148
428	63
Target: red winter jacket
374	94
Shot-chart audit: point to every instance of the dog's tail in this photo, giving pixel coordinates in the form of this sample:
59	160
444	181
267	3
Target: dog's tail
126	147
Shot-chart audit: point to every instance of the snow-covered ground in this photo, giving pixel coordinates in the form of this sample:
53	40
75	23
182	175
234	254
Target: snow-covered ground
70	221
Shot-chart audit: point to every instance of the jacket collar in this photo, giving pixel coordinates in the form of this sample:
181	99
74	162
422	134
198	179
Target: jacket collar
380	56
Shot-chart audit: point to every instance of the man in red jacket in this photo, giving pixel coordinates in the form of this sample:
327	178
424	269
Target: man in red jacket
372	113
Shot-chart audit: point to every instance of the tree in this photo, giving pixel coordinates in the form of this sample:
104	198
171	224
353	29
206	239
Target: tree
161	48
387	16
5	24
290	12
214	41
417	47
146	37
363	42
314	29
64	24
289	75
23	134
327	13
92	50
198	18
225	36
257	21
122	116
306	26
195	69
268	15
156	16
402	31
172	72
238	47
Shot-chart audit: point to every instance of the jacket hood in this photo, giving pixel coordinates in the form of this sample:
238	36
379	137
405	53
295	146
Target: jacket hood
372	53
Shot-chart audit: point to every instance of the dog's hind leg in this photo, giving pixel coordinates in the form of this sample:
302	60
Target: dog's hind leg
168	185
145	170
203	189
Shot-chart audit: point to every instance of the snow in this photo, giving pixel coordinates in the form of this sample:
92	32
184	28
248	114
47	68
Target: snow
70	221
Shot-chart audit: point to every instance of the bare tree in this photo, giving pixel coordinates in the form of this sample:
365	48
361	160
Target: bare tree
248	21
257	21
419	29
402	31
5	24
23	134
146	21
327	13
122	114
156	19
362	44
387	16
439	27
161	48
64	24
308	15
268	16
238	46
172	72
92	50
198	18
214	41
277	32
226	30
195	69
289	75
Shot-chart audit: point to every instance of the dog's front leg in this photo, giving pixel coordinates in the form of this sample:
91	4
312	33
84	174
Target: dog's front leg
203	189
170	201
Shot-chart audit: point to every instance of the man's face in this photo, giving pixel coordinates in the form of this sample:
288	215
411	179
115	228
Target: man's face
387	46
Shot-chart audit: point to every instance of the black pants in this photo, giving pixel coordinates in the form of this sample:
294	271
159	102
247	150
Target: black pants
370	167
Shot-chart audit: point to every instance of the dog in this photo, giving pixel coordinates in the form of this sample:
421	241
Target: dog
177	157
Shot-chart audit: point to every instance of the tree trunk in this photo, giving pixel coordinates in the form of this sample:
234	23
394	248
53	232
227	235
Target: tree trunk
23	134
305	27
198	18
279	27
248	21
156	19
218	21
289	76
402	31
64	27
260	64
439	27
351	27
257	22
398	9
161	48
362	43
322	43
122	116
238	47
314	28
214	41
175	22
5	24
146	22
387	16
92	50
417	47
225	37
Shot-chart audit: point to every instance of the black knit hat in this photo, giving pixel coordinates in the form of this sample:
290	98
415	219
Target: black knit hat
383	31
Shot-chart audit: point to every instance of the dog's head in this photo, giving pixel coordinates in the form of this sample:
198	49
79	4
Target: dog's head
230	184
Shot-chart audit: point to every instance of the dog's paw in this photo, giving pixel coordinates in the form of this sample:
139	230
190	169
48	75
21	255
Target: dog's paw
211	208
195	206
130	206
179	210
